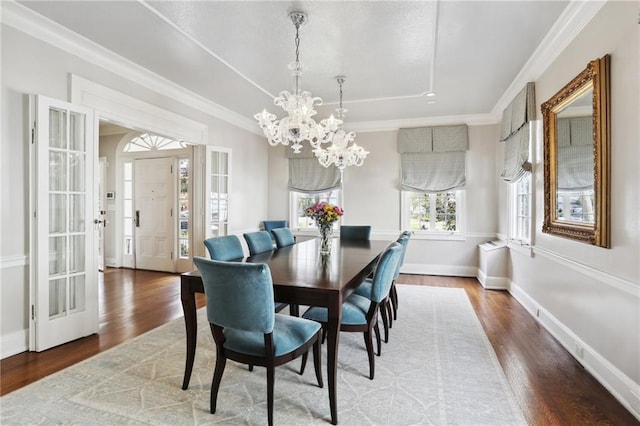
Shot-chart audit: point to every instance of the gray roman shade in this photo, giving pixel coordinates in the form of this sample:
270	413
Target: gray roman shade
433	158
308	176
515	133
575	153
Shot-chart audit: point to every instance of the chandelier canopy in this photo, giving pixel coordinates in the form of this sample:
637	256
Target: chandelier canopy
343	150
298	125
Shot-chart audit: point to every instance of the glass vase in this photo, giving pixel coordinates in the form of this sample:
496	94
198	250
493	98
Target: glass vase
326	233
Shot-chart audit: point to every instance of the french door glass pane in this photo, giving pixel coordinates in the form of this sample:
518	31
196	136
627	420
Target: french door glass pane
57	255
57	128
128	226
57	297
77	293
76	131
57	171
77	212
57	210
76	253
76	172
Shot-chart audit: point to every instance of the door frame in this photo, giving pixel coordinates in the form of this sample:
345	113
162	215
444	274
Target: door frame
127	111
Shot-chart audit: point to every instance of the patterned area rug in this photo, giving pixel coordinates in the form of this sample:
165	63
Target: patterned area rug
437	369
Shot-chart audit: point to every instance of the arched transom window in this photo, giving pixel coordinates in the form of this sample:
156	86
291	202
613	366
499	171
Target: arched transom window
147	142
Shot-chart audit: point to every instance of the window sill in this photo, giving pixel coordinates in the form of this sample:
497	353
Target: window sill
421	235
520	247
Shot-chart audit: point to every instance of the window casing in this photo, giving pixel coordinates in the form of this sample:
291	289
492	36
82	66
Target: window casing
521	210
434	215
299	202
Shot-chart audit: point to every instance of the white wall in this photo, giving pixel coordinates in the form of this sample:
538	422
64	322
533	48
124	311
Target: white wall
372	196
31	66
588	296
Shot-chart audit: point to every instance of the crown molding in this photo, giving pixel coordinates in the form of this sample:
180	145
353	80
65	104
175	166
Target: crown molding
390	125
573	19
29	22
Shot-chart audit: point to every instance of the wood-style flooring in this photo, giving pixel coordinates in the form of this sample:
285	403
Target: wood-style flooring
551	387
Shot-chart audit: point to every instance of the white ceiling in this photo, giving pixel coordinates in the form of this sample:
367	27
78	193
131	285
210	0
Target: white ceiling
235	53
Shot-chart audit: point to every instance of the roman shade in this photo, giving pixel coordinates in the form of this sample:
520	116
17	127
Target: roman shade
515	133
433	158
308	176
575	153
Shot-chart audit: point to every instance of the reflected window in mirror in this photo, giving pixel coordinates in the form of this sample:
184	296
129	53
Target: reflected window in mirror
576	157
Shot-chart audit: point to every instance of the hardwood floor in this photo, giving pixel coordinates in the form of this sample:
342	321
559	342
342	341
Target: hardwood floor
551	387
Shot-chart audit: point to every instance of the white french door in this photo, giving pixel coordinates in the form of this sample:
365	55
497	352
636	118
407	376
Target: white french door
154	201
64	273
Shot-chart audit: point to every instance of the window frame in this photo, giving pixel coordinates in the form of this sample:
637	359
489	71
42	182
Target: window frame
458	235
515	193
312	229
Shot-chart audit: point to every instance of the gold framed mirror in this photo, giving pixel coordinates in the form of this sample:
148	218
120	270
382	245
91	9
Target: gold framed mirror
576	157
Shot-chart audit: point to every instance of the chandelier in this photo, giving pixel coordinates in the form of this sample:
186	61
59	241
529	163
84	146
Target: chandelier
340	153
299	125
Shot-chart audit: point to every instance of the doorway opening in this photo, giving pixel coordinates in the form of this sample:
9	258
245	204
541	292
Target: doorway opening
148	194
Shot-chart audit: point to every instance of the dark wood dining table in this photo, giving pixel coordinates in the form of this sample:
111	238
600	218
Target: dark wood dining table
301	276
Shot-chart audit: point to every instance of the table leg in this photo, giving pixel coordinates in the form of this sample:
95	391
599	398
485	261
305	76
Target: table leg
188	299
333	336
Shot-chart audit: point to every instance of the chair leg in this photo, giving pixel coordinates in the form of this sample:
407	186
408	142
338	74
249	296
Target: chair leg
369	344
294	310
317	361
388	306
250	367
385	321
394	300
217	378
376	330
270	386
303	365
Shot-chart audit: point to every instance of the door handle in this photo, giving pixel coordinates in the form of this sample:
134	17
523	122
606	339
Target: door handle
137	219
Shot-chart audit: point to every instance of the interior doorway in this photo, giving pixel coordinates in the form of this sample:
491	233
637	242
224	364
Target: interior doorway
148	185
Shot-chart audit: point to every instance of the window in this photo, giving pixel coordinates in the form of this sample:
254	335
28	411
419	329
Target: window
183	208
438	214
301	201
128	207
521	209
217	187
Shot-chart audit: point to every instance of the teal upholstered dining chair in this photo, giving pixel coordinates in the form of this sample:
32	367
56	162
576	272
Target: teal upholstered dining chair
355	232
393	295
227	248
259	242
224	248
283	236
270	225
246	329
359	313
386	310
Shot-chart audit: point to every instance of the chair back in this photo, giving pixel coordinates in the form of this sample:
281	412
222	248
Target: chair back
404	242
224	248
283	236
385	271
355	232
270	225
258	242
239	294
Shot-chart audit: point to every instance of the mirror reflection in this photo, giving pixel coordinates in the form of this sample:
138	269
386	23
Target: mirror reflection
575	165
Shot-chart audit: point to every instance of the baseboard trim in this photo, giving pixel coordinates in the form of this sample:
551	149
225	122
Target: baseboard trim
492	283
445	270
14	343
625	390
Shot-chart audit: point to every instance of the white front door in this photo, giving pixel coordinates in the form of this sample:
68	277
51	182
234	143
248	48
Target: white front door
64	273
154	200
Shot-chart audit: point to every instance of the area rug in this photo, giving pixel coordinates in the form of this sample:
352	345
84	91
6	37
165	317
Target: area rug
437	369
